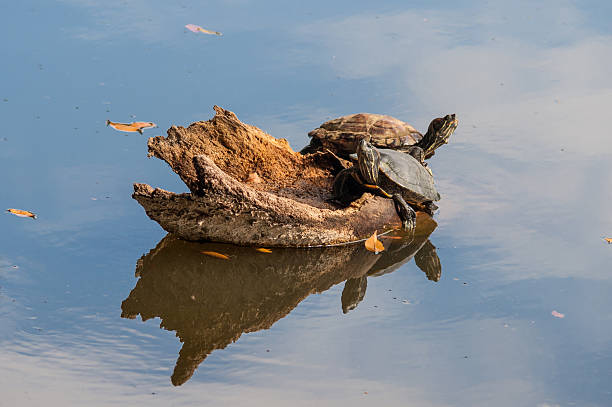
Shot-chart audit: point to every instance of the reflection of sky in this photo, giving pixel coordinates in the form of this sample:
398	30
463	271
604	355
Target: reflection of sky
526	188
531	96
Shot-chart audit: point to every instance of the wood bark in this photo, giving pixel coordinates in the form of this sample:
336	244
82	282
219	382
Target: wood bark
288	203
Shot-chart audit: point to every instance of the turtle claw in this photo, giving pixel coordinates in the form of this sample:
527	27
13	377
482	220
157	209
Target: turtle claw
406	214
409	224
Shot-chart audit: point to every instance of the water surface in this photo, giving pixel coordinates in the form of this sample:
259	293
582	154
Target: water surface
526	186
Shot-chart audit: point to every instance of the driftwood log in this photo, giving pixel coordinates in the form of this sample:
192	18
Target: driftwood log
211	302
249	188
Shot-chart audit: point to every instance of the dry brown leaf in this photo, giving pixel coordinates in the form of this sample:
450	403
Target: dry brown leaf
373	244
196	28
253	178
131	127
263	250
123	127
608	239
215	254
22	213
143	125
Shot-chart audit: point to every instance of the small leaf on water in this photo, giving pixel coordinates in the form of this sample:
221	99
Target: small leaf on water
22	213
557	314
123	127
131	127
263	250
196	28
373	244
215	254
143	125
253	178
608	239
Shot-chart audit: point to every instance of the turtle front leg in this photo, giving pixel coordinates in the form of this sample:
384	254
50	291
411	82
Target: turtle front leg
406	214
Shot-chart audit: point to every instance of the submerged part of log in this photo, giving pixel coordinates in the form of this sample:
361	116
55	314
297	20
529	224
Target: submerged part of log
288	206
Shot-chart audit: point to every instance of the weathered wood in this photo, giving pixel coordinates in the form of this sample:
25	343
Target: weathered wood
289	207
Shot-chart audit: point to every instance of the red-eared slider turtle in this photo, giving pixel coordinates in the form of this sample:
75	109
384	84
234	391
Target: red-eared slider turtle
392	174
342	135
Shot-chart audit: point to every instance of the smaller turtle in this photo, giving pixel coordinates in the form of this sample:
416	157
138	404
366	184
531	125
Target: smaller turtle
391	174
342	135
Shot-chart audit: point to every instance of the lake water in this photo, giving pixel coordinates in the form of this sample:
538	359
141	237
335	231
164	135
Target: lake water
99	308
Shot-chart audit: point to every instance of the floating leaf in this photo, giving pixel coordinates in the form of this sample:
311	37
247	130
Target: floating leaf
215	254
196	28
263	250
143	125
21	213
608	239
253	178
557	314
131	127
373	244
123	127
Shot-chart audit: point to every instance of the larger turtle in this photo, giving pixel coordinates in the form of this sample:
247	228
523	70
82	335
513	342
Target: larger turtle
392	174
342	135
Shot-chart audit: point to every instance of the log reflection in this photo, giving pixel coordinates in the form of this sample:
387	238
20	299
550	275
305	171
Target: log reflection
211	302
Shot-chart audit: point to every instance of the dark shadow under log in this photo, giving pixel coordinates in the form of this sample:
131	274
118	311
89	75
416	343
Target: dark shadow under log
288	206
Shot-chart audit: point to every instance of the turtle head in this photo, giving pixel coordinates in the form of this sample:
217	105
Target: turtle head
438	133
368	161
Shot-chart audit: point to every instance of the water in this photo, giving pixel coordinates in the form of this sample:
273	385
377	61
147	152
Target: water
526	188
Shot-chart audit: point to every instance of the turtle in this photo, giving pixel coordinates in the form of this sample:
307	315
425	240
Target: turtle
342	135
391	174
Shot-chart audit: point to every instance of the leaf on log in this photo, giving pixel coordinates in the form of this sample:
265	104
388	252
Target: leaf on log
374	245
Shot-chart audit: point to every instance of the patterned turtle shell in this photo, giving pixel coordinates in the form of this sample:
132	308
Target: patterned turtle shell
382	131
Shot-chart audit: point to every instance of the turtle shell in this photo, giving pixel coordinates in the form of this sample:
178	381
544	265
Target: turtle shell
382	131
401	173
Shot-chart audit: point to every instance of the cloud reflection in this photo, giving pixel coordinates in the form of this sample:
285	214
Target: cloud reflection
530	153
